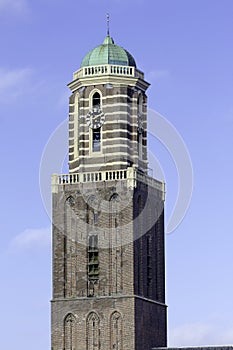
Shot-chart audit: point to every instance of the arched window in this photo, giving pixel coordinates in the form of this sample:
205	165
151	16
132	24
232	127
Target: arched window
96	101
114	197
116	331
114	201
93	332
71	201
115	240
70	220
95	107
70	333
114	208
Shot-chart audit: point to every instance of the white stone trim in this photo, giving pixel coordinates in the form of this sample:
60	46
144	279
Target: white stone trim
109	163
108	69
110	122
115	80
120	139
90	99
107	146
106	97
109	131
130	174
104	107
98	155
87	109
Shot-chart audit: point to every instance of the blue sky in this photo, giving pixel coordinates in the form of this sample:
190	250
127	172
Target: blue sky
185	49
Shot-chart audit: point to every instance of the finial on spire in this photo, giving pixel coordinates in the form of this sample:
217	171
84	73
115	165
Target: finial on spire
108	26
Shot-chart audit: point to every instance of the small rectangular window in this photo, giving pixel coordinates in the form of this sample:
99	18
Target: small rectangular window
96	140
95	218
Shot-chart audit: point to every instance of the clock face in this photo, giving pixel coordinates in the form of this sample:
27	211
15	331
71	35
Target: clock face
95	118
140	123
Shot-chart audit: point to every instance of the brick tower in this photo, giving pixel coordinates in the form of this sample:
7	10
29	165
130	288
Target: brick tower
108	217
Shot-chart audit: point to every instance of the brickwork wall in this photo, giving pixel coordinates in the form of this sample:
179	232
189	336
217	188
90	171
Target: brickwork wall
150	324
149	269
149	243
74	207
79	209
120	104
103	307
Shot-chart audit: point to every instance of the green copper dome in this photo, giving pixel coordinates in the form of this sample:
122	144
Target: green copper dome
108	53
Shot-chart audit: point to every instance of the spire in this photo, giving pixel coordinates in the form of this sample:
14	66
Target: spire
108	26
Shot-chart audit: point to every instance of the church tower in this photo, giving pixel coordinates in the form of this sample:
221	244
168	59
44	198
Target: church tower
108	215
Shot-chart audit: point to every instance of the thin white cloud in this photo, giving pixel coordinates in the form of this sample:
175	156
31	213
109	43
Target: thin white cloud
12	78
228	336
18	6
16	82
31	238
200	334
64	98
158	74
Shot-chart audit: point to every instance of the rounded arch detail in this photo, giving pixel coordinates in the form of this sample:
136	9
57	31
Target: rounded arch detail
92	315
70	332
116	330
92	99
69	315
93	331
70	200
114	197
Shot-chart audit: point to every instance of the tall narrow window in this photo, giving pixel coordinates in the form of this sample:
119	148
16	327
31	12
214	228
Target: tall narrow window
96	140
70	332
149	264
70	281
96	101
93	341
96	119
116	331
95	219
140	252
115	257
93	262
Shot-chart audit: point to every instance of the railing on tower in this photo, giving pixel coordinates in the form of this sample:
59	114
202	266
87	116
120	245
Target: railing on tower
131	175
108	69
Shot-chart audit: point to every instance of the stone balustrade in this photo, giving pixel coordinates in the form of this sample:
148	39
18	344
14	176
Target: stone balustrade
108	69
131	175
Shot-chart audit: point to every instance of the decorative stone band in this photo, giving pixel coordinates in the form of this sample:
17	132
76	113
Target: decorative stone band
108	69
131	175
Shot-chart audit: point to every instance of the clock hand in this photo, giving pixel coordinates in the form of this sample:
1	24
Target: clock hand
94	118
